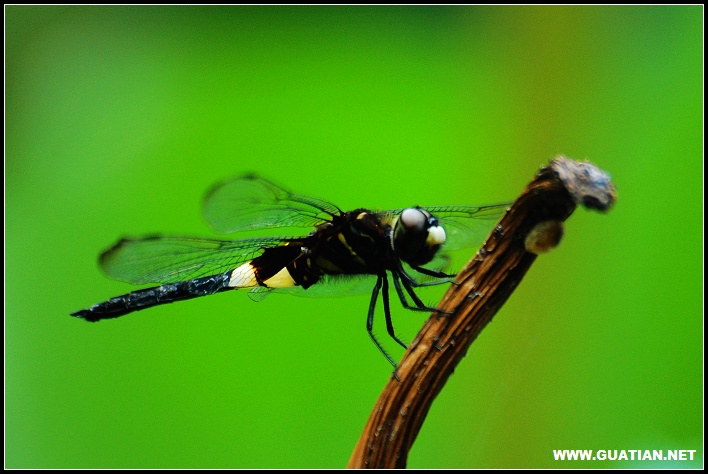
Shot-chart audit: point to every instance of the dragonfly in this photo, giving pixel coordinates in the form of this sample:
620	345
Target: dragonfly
342	250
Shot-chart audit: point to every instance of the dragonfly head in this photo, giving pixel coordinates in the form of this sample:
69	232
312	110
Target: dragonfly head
417	236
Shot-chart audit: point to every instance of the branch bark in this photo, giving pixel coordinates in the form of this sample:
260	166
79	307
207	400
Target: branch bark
532	225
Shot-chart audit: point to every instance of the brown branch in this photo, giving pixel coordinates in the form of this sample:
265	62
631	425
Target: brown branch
533	224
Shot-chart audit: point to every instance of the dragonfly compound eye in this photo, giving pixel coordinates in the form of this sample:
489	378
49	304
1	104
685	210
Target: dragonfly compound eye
414	221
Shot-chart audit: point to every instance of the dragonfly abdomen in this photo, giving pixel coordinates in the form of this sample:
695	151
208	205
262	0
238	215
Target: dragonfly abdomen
142	299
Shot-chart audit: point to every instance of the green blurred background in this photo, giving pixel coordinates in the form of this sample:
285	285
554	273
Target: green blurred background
118	119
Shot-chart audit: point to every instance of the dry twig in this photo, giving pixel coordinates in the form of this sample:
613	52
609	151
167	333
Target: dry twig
532	225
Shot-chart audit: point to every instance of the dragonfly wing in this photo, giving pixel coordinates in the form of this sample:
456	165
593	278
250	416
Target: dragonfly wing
259	293
334	286
163	260
467	226
250	203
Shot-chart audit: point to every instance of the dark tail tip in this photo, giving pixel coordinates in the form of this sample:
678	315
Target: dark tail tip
86	315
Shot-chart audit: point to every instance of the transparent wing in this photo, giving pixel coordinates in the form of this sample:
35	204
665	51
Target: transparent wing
327	286
250	202
173	259
465	226
338	286
334	286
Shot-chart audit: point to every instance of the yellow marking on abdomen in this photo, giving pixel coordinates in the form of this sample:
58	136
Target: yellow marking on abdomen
282	279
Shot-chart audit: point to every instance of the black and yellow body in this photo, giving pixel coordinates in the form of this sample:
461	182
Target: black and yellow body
359	242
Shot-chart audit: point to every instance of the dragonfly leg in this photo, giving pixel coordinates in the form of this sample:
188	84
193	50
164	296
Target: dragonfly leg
387	313
434	273
370	323
419	305
443	277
